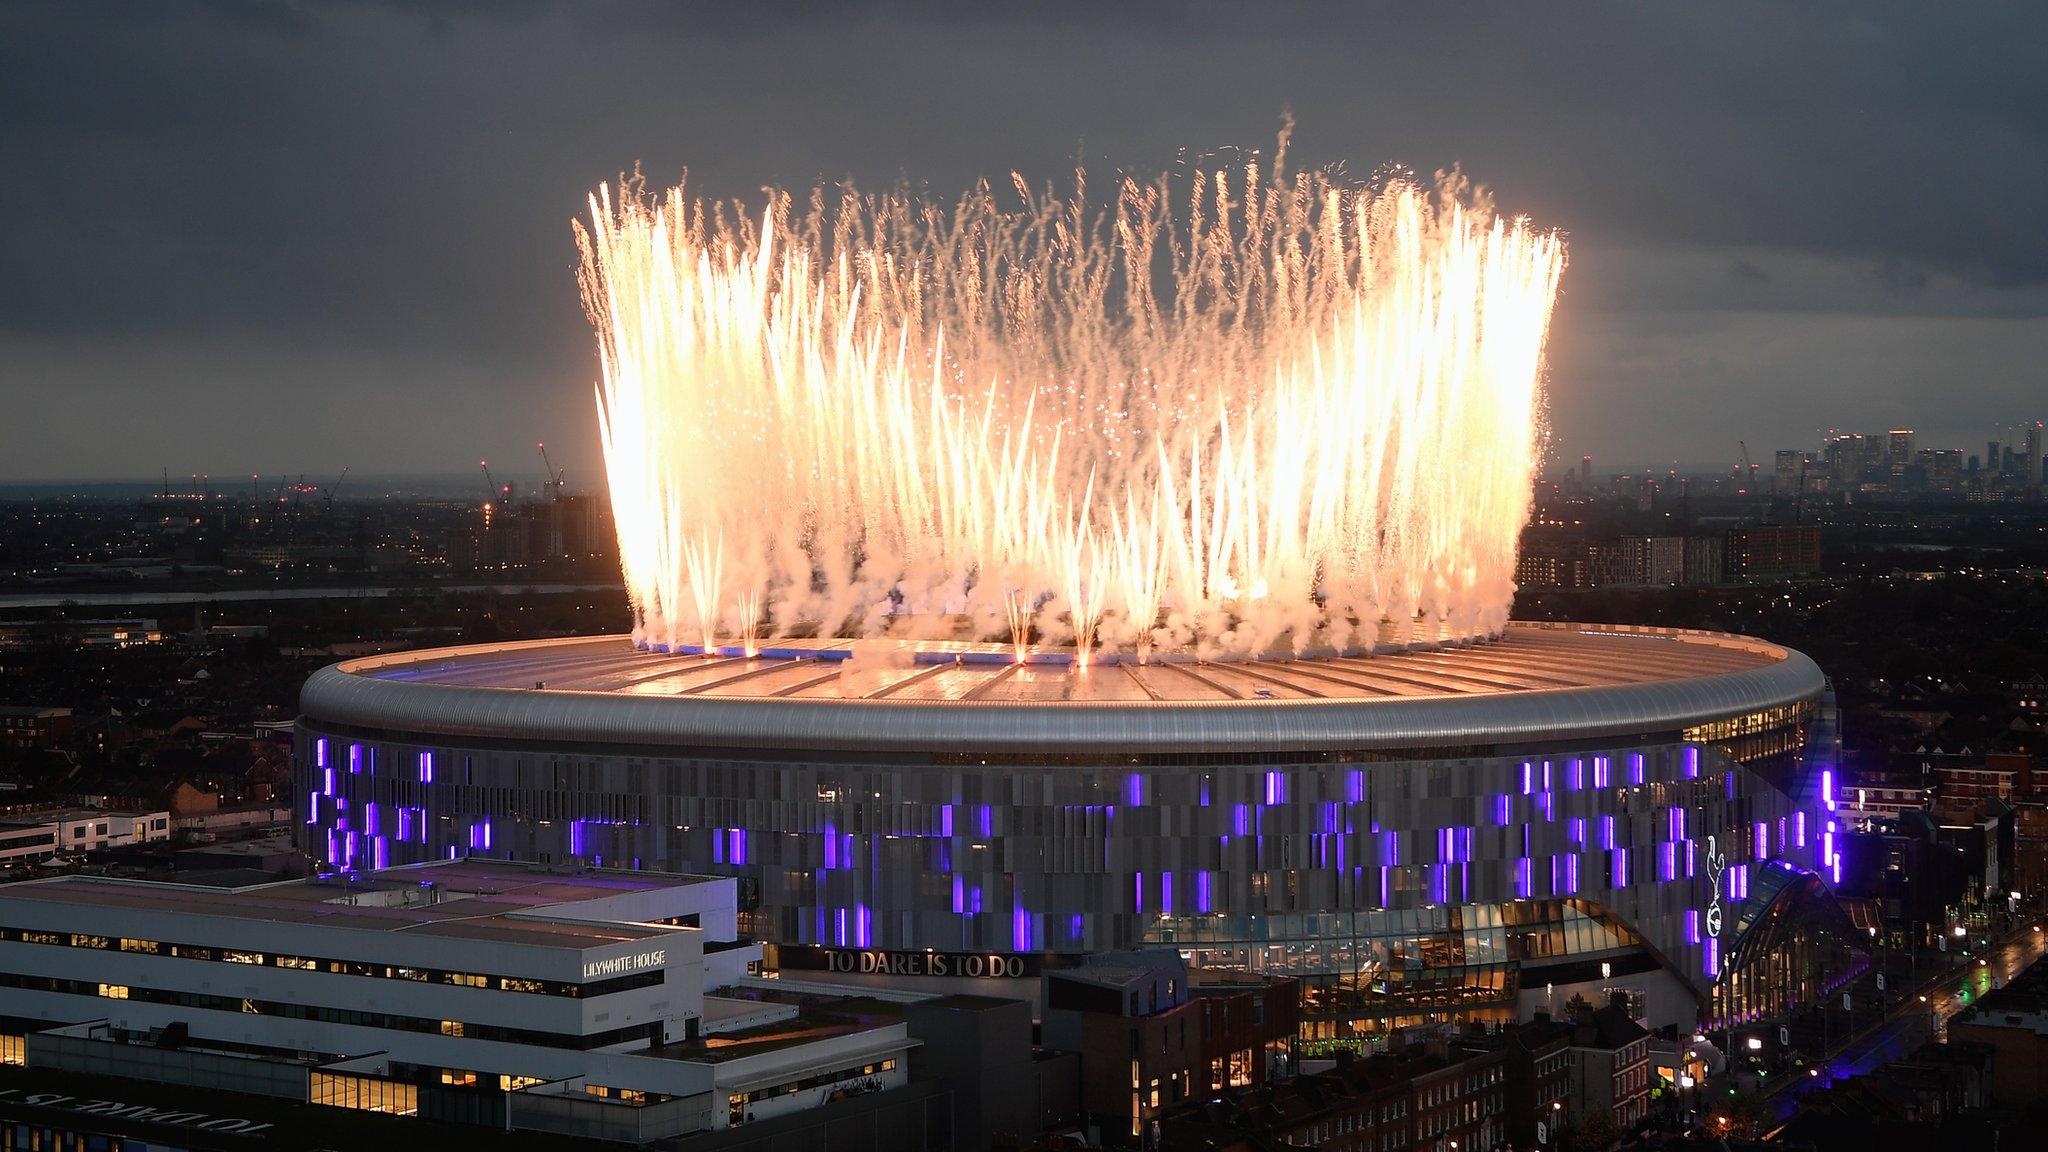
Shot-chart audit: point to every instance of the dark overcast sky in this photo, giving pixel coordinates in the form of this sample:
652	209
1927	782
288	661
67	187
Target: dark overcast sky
243	237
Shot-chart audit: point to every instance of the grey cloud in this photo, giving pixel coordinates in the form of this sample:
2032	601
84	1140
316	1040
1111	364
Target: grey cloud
383	189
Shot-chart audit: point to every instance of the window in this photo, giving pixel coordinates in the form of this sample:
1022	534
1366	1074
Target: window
114	991
453	1028
242	957
149	947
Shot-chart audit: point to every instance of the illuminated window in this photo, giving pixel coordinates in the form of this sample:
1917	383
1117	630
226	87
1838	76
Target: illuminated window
114	991
242	957
148	947
452	1028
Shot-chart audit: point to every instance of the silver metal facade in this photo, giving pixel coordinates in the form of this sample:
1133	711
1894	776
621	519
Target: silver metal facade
1275	849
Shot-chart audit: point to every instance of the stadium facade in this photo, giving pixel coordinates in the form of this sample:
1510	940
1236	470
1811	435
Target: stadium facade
1455	833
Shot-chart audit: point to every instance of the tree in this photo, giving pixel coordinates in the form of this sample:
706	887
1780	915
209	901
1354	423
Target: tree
1597	1131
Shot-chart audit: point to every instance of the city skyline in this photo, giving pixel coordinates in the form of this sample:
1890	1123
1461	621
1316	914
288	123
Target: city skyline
354	219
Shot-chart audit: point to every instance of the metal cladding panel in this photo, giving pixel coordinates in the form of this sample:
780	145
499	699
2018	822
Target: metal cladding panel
336	695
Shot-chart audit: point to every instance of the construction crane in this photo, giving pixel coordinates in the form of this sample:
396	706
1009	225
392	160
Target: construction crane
1748	469
327	496
555	478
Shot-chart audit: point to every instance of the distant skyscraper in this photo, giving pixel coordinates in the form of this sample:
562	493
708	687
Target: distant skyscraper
1899	450
2034	453
1785	477
1586	471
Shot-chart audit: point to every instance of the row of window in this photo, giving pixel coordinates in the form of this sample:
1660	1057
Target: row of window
651	1032
144	947
737	1104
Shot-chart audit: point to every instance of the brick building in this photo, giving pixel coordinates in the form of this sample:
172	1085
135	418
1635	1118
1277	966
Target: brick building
1427	1096
1612	1054
1138	1028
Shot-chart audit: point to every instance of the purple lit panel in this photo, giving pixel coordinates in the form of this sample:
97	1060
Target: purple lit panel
1138	891
1667	860
1524	877
1619	875
1635	767
320	752
1713	956
1799	829
1600	764
1607	832
1020	930
1575	774
1692	925
355	758
1500	810
959	894
1202	901
426	767
1760	840
1575	830
313	808
1166	893
1528	778
1134	790
1276	788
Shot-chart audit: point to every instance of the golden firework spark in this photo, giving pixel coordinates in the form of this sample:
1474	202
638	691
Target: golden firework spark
1246	412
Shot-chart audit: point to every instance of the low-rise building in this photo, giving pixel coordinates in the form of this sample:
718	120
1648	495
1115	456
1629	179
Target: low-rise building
24	727
1612	1057
1131	1017
1420	1096
2013	1022
557	1000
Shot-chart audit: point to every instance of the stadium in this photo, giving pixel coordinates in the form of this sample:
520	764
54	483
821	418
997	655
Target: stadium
1467	832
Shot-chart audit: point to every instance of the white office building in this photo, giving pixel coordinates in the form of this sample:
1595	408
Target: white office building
571	1000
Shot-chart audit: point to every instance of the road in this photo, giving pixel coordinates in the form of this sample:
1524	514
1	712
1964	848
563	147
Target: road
1922	1014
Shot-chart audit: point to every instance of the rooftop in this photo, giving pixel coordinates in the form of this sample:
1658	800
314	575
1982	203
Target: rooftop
486	901
1535	679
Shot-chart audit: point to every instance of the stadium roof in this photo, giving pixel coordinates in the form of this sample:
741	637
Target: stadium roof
1537	681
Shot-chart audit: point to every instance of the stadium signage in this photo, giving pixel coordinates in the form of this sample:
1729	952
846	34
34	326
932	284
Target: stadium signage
1717	865
867	961
622	965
